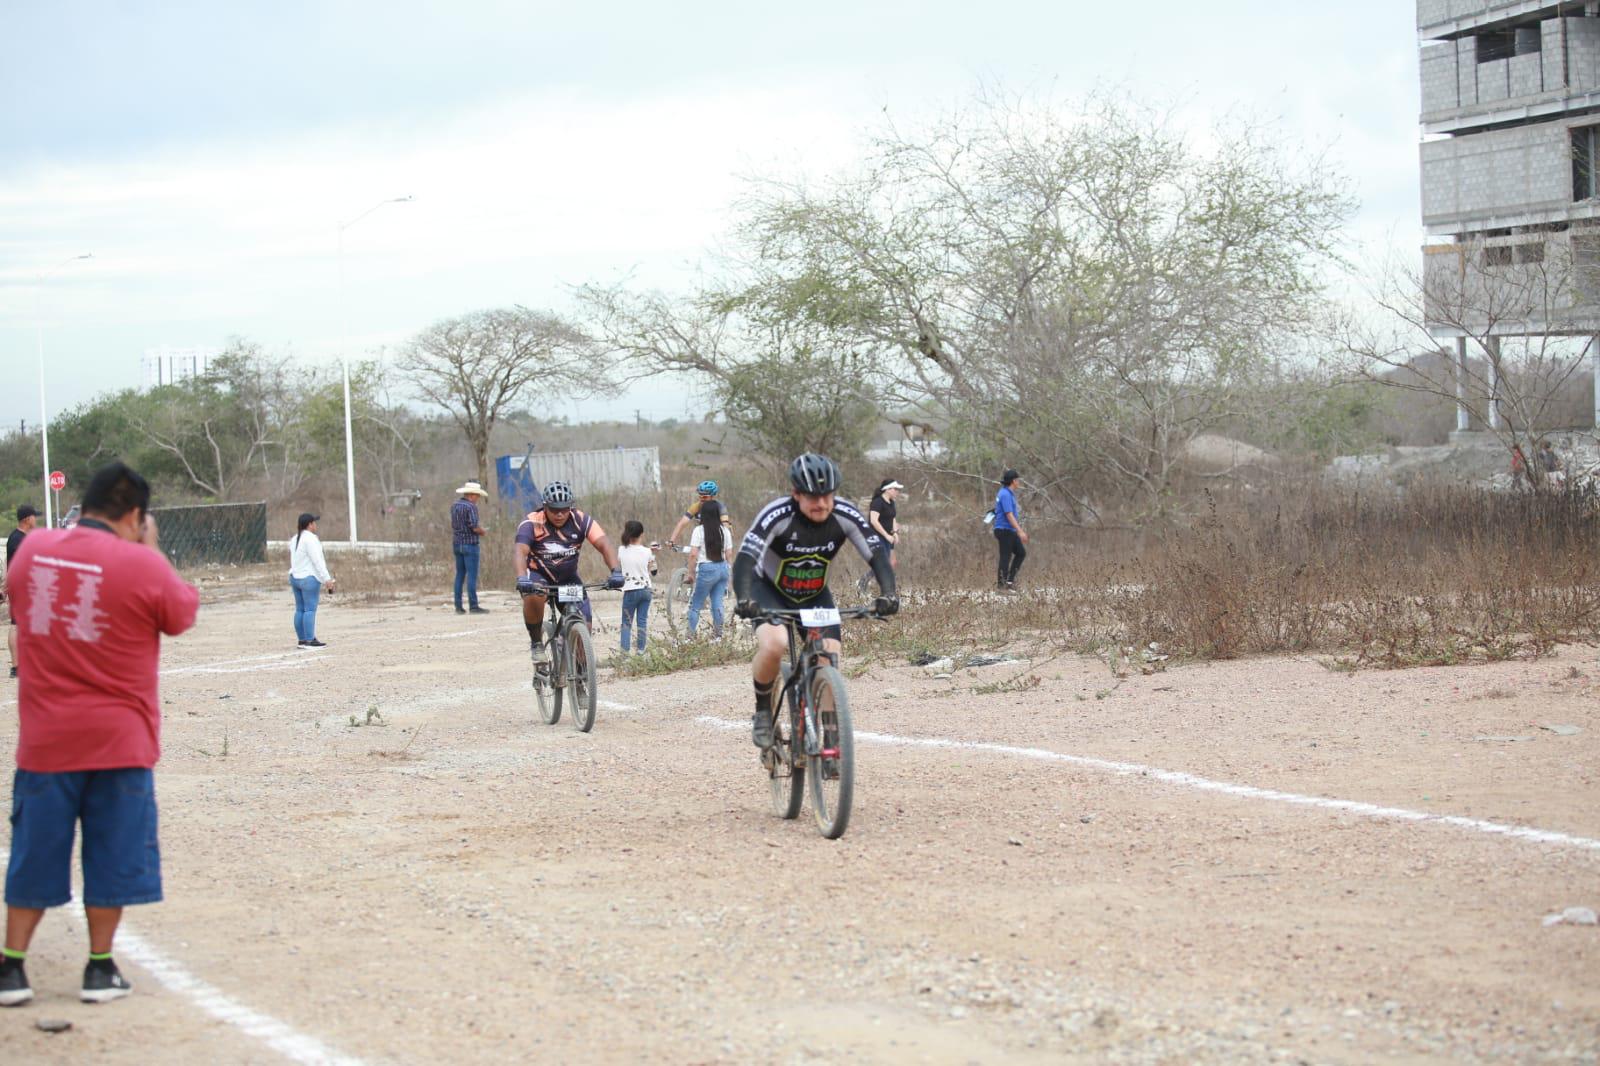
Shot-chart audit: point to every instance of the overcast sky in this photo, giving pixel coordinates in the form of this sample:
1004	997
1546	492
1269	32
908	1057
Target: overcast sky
205	153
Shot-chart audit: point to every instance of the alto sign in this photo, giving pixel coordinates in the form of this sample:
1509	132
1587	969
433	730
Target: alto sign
58	481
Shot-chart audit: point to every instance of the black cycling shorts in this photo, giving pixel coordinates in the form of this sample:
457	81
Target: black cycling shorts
768	597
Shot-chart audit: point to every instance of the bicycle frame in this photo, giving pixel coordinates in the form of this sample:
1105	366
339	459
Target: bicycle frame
804	658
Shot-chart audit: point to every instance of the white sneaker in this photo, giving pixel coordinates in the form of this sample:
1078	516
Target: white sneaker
541	655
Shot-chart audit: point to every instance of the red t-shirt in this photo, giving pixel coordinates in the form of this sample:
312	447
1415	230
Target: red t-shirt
90	610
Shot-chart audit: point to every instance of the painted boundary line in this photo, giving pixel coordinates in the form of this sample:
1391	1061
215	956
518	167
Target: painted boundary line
1228	788
292	1045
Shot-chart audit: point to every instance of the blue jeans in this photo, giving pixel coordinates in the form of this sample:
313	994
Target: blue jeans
635	612
710	582
307	591
467	570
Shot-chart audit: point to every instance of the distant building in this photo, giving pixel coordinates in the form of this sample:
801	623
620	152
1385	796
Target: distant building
168	366
1510	171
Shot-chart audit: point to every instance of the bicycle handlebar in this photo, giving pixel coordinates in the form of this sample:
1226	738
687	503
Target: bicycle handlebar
789	615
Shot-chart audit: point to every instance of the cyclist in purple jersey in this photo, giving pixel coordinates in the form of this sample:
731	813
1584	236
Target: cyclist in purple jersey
783	564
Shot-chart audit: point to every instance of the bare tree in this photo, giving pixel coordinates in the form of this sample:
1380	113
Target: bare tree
236	422
480	366
1079	294
785	384
1525	307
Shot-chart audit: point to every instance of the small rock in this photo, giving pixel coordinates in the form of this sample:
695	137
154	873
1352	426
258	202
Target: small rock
52	1025
940	666
1014	842
1572	916
1087	818
1561	730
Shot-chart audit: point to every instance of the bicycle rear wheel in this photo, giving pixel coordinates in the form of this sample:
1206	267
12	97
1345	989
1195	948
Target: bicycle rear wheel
677	596
546	694
786	772
580	674
833	771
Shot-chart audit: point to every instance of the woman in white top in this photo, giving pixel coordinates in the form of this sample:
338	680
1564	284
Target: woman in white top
637	564
712	572
308	572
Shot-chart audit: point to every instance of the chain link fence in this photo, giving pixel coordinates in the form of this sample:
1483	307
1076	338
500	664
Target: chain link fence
213	533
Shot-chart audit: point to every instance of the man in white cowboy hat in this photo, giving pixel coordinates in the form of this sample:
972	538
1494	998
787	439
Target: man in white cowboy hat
464	533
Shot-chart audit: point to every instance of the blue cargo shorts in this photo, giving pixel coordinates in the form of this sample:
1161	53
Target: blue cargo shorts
121	855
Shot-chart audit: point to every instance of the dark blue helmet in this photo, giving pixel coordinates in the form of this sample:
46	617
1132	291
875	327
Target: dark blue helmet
558	494
814	474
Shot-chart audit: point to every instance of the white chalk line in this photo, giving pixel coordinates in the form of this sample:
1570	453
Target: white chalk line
290	1043
291	660
1206	784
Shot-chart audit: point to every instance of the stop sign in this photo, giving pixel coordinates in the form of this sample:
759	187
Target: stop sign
58	481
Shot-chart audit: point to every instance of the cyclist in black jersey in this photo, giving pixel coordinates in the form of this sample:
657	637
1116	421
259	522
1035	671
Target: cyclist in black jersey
783	564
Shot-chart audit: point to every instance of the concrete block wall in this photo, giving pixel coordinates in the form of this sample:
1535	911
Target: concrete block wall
1440	90
1524	75
1583	53
1480	177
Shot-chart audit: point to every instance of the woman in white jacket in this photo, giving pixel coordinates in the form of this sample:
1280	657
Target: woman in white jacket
308	572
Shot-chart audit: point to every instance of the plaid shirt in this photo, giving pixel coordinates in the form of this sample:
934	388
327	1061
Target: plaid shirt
463	520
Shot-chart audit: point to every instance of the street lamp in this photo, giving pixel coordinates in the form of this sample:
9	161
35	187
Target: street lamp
344	323
44	415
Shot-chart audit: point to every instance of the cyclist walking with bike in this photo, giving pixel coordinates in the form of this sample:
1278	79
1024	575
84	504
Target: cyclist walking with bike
547	547
783	565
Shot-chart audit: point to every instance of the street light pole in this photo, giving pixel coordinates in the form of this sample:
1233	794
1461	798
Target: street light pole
44	413
344	358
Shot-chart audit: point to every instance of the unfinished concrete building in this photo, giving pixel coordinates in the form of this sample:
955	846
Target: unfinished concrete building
1510	175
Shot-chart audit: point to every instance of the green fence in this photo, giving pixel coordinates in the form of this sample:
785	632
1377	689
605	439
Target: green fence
213	533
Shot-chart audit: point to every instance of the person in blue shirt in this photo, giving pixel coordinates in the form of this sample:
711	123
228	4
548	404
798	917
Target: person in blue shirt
1008	531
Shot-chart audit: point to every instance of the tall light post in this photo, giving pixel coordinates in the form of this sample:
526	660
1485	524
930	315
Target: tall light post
44	413
344	318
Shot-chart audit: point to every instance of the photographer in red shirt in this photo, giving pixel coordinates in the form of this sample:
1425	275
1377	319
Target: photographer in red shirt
91	604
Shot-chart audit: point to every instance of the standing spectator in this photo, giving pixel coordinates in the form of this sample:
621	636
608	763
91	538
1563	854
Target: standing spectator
1008	531
1519	468
465	530
89	723
638	566
714	537
1549	461
27	518
881	515
308	572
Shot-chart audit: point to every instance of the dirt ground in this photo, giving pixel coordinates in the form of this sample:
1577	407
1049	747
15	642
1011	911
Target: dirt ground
456	882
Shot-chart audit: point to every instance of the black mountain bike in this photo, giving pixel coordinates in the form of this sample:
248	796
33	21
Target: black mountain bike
817	737
570	670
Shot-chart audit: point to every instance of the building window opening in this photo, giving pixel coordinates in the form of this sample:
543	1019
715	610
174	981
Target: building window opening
1530	253
1584	161
1496	44
1497	255
1514	41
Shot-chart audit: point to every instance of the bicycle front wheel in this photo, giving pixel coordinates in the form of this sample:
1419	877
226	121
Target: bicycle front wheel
580	674
832	771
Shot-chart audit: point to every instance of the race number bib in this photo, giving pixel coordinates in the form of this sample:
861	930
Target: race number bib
819	617
570	594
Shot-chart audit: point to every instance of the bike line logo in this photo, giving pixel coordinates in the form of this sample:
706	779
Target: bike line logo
803	577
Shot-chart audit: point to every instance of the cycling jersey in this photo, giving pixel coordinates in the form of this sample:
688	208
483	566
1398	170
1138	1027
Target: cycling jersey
791	553
694	512
553	551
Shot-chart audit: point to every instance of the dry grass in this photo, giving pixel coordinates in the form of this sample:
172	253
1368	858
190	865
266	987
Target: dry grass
1437	575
